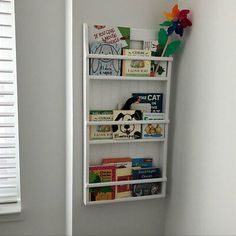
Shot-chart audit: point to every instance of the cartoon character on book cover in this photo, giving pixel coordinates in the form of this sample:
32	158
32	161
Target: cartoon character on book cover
127	131
105	66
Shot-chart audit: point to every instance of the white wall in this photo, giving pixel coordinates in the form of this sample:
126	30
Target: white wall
132	218
41	88
202	194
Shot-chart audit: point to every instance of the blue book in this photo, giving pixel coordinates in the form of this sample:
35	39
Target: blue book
146	173
143	162
155	99
105	66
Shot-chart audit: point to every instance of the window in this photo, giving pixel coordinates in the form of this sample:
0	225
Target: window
9	141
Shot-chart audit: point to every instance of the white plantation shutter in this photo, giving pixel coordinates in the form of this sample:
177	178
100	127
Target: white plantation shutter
9	143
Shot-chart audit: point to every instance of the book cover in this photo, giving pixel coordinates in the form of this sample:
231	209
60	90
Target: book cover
127	131
153	130
156	51
141	162
143	107
101	131
99	174
155	99
123	172
146	189
105	66
136	67
146	173
110	34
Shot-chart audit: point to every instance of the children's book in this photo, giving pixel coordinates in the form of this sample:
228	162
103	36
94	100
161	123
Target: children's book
110	34
146	173
105	66
141	162
155	99
143	107
99	174
127	131
101	131
153	130
146	189
156	51
123	172
136	67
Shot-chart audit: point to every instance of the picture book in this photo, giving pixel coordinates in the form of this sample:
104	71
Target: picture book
155	99
146	189
123	172
110	34
105	66
99	174
156	51
143	107
153	130
101	131
141	162
136	67
146	173
127	131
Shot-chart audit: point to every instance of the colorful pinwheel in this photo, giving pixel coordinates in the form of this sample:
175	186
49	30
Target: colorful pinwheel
177	20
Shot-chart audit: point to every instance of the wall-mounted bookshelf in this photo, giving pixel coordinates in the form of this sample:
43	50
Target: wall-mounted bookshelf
103	92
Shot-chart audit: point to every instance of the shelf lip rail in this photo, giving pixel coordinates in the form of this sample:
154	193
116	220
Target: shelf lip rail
138	181
119	141
127	122
122	57
126	78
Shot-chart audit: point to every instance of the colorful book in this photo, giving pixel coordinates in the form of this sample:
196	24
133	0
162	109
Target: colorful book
153	130
101	131
110	34
156	51
141	162
98	174
146	173
127	131
105	66
123	172
136	67
155	99
146	189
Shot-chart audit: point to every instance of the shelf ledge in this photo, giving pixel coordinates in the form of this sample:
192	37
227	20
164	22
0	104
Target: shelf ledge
137	181
117	141
122	57
127	122
126	78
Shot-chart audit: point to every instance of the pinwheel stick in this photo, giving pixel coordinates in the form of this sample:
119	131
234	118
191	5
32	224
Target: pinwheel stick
162	54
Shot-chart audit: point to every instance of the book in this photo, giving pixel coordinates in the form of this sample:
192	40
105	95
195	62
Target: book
105	66
153	130
110	34
136	67
156	51
101	131
143	107
141	162
155	99
99	174
146	189
123	172
146	173
127	131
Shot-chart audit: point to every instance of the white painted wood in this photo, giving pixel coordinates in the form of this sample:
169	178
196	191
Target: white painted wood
101	92
138	181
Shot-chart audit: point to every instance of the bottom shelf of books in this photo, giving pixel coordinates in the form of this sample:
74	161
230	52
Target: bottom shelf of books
124	179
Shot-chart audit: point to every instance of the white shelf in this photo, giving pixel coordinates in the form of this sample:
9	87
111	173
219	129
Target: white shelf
117	141
137	181
135	122
122	57
126	78
128	199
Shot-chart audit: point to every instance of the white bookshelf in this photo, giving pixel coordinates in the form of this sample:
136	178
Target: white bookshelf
104	92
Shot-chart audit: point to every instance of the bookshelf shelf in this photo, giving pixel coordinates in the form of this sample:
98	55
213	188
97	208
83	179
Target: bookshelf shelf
100	96
127	78
112	141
